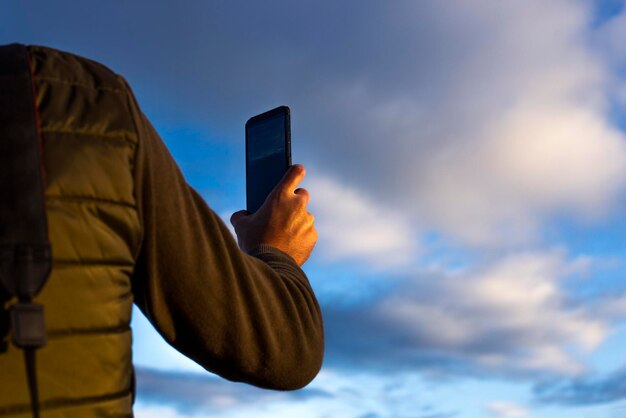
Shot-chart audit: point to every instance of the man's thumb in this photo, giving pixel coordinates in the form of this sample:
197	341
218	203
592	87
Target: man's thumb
292	178
236	217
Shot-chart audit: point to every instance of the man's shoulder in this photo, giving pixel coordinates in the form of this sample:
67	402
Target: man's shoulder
66	67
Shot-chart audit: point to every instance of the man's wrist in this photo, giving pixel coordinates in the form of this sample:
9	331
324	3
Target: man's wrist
267	252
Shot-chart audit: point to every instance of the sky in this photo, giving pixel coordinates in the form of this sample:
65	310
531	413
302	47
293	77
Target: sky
467	167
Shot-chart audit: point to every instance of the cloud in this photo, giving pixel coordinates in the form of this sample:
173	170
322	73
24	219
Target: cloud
510	317
482	121
458	117
587	390
507	409
193	393
351	226
184	394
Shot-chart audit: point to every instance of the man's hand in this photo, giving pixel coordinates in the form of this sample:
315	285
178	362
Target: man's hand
282	221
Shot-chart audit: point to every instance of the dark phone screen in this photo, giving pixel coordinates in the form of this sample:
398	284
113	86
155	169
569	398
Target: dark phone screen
267	157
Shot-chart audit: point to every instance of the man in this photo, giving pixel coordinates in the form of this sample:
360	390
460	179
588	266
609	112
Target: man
125	227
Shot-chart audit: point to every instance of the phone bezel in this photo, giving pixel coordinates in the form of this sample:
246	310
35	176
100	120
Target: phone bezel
280	110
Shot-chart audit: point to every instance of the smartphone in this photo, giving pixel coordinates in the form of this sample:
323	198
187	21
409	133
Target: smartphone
268	154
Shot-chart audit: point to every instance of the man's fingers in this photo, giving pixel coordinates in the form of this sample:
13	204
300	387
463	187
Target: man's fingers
237	216
292	178
304	193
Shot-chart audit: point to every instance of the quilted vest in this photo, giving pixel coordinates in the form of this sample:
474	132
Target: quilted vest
89	144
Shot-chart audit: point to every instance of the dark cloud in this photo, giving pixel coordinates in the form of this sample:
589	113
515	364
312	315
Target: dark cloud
190	393
426	107
487	321
584	390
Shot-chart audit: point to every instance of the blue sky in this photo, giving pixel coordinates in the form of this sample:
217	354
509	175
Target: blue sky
467	166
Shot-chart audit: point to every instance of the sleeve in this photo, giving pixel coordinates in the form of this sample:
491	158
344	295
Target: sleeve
246	317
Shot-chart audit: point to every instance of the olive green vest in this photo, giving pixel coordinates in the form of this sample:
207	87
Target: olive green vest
89	146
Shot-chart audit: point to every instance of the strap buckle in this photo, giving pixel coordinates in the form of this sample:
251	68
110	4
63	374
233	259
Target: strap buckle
28	325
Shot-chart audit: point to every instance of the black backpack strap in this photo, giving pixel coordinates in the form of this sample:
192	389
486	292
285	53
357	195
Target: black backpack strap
25	256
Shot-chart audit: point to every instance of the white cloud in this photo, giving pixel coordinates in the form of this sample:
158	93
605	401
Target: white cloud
515	309
481	120
536	161
351	225
511	316
516	131
507	409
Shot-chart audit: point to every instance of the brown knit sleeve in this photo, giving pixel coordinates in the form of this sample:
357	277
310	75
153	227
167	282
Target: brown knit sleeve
251	318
